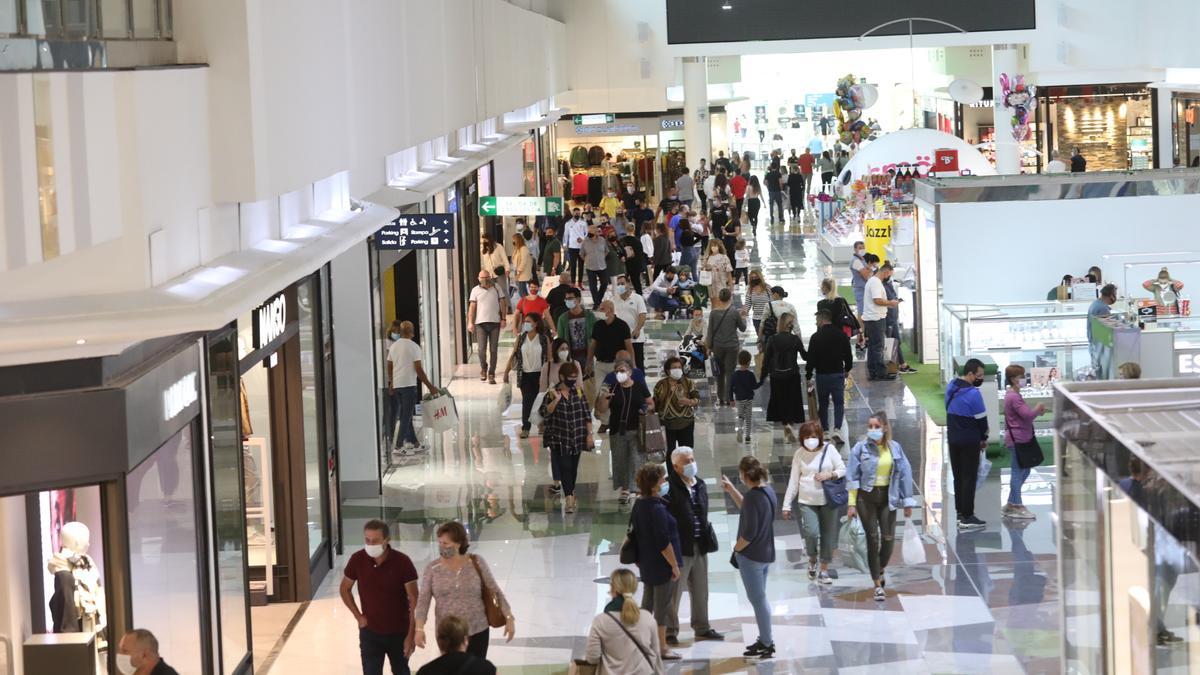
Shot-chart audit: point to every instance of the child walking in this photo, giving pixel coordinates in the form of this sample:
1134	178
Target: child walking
744	383
741	260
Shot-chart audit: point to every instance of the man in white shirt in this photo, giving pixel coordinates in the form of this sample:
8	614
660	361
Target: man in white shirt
874	316
664	293
1055	165
574	232
485	315
631	308
403	371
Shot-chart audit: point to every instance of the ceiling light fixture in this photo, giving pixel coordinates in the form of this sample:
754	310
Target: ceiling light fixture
81	341
727	5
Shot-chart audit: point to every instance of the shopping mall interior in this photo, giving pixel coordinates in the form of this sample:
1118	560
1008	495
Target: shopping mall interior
607	336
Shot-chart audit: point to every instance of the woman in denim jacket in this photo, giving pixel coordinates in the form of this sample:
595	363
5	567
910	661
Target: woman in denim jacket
879	479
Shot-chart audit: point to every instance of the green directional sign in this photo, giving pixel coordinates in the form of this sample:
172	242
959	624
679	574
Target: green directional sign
520	206
599	118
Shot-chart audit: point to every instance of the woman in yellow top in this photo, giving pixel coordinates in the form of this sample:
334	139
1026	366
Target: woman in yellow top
879	479
522	263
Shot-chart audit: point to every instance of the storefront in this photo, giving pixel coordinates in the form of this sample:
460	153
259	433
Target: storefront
289	440
110	461
1129	526
976	124
1185	127
1111	124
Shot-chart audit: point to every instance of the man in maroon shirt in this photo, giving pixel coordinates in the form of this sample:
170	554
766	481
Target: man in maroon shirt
737	185
387	586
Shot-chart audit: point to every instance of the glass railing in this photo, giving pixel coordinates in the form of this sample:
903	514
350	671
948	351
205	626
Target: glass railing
86	19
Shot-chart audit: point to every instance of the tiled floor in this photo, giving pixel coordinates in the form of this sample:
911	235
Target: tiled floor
979	602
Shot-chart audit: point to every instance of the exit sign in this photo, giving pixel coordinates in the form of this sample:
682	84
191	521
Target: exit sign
600	118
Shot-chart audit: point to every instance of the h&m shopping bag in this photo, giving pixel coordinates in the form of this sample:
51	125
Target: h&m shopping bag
439	413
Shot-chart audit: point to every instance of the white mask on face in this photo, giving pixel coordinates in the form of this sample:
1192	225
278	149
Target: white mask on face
677	373
812	443
564	355
374	550
125	664
622	377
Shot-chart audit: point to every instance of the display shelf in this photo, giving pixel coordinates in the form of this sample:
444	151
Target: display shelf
1047	337
835	249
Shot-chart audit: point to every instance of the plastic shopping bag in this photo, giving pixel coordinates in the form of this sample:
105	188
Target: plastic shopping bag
438	413
985	468
535	415
504	398
705	278
852	545
913	548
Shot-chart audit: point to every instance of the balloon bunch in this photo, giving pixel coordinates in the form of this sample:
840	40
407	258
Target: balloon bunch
850	100
1020	98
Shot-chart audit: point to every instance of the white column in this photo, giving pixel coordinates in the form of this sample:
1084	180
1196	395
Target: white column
1165	150
1008	151
697	132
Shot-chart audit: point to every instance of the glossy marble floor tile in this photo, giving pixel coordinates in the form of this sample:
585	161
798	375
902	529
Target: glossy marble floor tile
982	602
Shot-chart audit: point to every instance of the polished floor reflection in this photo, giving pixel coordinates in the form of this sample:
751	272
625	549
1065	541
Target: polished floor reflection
981	602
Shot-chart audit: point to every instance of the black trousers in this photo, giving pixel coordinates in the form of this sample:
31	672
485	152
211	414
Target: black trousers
477	644
639	354
374	647
775	198
964	462
677	437
753	205
530	385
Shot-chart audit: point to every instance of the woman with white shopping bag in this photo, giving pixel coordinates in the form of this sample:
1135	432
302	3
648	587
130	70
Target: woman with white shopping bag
530	355
879	481
817	483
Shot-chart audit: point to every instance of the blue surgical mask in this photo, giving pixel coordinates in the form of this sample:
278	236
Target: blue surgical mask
620	289
394	336
875	434
526	327
570	304
690	470
664	489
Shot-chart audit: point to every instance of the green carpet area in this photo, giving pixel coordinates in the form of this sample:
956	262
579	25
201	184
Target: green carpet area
926	386
1001	458
847	292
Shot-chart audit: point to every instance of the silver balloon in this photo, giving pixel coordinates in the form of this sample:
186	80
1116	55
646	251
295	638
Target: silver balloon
965	92
870	95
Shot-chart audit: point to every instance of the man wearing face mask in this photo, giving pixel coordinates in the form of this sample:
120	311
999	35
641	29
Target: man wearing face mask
631	308
687	501
594	252
387	586
137	654
575	231
404	371
967	432
575	326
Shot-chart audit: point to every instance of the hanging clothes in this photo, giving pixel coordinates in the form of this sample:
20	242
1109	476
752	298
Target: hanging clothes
579	156
595	190
595	155
579	186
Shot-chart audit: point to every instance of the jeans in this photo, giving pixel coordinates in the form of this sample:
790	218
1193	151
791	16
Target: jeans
693	574
530	385
964	464
624	447
576	269
754	578
859	291
1017	478
819	527
373	647
725	358
487	341
598	284
876	366
523	288
687	258
775	198
407	398
879	523
564	467
831	386
391	406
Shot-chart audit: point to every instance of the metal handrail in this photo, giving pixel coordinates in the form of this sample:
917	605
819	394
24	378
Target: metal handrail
9	666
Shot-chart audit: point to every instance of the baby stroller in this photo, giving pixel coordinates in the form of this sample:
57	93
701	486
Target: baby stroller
691	350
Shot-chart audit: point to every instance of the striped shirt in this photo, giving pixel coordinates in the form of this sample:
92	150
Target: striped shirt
758	303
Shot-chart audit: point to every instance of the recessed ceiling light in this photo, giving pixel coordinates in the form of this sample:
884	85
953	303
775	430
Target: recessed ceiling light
81	341
726	5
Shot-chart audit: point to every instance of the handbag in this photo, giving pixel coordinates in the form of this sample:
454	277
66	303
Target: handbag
835	488
629	549
711	544
1029	453
491	603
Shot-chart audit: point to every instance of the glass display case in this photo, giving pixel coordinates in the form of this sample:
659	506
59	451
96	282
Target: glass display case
1048	338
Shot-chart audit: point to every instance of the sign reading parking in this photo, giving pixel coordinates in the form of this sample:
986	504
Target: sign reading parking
520	206
422	230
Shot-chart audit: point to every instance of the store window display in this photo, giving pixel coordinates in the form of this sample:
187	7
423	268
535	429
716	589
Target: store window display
77	604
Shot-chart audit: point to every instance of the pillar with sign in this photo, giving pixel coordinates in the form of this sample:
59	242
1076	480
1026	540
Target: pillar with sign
878	235
697	132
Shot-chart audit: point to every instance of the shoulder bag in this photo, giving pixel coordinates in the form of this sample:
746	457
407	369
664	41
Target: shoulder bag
1029	454
645	652
491	603
654	439
629	549
835	488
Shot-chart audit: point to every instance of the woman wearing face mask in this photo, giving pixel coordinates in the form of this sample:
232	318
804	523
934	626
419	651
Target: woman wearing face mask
675	399
530	355
454	581
754	550
560	353
659	550
522	262
718	264
493	259
814	463
567	418
879	479
781	363
629	649
758	295
625	404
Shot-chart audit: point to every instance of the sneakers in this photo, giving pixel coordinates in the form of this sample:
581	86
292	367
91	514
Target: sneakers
971	523
671	656
759	650
812	570
624	497
1017	511
1165	637
824	578
524	433
880	595
408	450
906	369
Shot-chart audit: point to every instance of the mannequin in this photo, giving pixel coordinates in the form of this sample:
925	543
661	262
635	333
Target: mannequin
1165	289
78	601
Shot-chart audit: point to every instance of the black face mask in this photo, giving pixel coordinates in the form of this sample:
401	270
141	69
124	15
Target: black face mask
978	383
